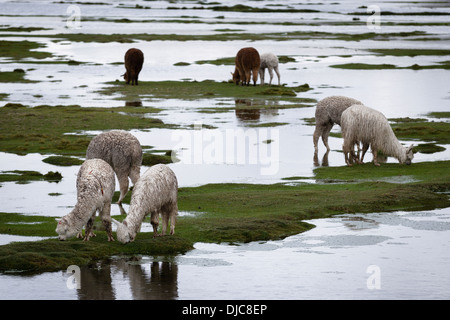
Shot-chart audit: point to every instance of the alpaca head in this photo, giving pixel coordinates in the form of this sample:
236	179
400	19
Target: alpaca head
125	76
236	77
123	232
65	230
409	155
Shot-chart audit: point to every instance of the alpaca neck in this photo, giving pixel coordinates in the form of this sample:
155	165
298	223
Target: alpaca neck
134	219
394	148
80	214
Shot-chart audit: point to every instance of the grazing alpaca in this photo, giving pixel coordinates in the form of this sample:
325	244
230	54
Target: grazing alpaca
95	189
328	112
361	124
154	193
134	58
269	61
122	151
247	63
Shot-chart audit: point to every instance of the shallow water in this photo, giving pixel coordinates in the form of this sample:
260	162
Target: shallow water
398	255
410	250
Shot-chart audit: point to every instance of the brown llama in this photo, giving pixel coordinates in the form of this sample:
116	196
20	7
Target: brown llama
134	58
247	63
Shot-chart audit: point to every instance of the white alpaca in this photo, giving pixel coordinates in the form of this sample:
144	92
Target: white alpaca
269	61
154	193
361	124
95	189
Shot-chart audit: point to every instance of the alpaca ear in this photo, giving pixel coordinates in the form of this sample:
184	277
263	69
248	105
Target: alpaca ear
410	147
125	223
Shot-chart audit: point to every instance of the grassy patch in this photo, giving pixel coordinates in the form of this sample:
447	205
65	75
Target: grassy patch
27	176
17	75
207	89
411	52
437	171
43	129
365	66
53	255
438	132
18	50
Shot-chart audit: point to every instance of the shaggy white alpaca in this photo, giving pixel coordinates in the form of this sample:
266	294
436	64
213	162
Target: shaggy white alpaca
95	189
269	61
122	151
361	124
154	193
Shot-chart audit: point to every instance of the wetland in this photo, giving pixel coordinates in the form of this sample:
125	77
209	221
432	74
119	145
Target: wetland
60	85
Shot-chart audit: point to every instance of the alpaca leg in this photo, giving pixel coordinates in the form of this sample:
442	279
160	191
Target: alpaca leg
364	150
135	173
155	222
346	150
173	218
88	233
123	184
271	75
255	72
246	80
261	75
105	215
316	136
278	74
375	156
326	133
165	221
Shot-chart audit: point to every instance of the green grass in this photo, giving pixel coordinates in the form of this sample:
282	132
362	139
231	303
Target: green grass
411	52
43	129
17	75
21	176
207	89
18	50
436	131
365	66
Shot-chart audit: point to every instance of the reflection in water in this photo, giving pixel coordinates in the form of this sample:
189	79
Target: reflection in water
152	280
257	108
135	103
324	159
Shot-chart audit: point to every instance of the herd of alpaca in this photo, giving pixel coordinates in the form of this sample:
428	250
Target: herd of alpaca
119	153
155	192
248	64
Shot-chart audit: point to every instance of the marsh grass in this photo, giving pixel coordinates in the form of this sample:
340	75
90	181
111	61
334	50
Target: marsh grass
207	89
43	129
24	176
14	76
